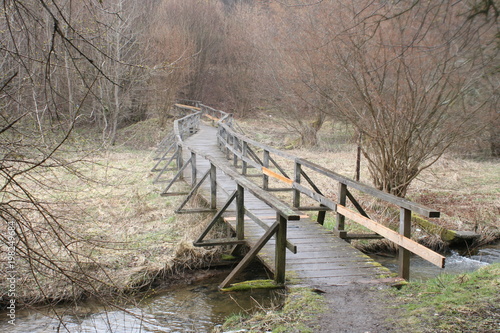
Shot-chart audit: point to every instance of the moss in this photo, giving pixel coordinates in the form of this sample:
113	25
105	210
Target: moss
228	257
253	284
445	234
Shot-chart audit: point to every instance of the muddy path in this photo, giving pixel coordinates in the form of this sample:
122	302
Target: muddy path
358	308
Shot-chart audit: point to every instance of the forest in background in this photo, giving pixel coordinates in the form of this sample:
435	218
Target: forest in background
412	79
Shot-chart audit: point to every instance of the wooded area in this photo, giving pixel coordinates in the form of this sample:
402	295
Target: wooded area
411	79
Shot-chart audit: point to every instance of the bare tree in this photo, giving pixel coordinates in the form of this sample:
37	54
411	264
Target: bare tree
405	76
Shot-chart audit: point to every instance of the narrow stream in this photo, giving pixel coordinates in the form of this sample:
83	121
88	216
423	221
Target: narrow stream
456	263
186	308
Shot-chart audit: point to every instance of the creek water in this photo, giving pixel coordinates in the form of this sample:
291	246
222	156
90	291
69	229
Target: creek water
184	308
456	262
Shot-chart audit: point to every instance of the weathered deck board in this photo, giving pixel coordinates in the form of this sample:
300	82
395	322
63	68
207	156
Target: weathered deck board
322	258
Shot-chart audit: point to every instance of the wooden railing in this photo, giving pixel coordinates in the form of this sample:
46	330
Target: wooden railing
254	159
298	176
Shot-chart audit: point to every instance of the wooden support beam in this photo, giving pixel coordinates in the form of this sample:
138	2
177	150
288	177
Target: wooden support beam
213	186
162	158
244	164
280	254
240	212
195	188
196	211
313	208
220	241
404	254
362	236
280	189
188	107
173	194
211	117
342	200
296	179
278	167
250	255
356	204
266	171
193	169
258	220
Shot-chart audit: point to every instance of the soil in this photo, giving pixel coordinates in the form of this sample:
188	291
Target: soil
357	308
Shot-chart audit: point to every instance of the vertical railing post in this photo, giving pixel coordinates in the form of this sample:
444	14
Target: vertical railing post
219	130
240	212
265	179
404	254
244	155
341	218
296	178
229	140
280	257
180	161
235	147
193	169
213	186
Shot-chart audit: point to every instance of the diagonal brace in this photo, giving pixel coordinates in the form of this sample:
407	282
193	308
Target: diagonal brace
177	176
216	217
250	255
191	194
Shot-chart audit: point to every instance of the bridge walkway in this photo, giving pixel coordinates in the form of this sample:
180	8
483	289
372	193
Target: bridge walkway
321	259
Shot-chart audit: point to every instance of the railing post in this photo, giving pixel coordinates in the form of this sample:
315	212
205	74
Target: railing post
265	179
219	130
341	218
235	147
244	154
180	161
229	140
193	169
404	254
213	186
280	257
296	178
240	212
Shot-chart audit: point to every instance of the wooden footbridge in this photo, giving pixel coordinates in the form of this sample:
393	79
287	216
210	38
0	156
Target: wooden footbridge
245	184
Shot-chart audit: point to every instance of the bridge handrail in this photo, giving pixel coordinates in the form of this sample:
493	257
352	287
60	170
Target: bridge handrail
401	202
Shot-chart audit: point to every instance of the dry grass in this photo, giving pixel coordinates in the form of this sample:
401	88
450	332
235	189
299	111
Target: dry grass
115	233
